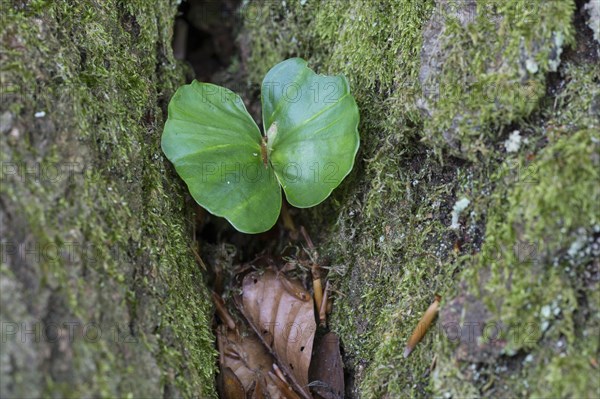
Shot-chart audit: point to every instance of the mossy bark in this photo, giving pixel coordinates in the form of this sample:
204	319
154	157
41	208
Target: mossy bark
100	293
95	231
493	101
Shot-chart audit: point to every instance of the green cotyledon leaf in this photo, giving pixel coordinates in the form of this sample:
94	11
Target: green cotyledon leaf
215	146
312	128
235	172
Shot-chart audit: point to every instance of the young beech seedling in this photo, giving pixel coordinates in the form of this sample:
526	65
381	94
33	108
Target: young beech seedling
232	170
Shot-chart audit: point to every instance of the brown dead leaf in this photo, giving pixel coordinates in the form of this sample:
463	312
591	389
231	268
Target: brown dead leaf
327	369
248	359
230	385
281	312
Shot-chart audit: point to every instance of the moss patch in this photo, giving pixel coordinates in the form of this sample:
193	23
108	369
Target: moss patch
99	236
536	276
486	67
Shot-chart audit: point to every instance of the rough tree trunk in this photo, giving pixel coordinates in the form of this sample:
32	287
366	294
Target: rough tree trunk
493	101
100	293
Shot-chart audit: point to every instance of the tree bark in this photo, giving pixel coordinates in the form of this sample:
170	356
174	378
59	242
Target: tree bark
100	293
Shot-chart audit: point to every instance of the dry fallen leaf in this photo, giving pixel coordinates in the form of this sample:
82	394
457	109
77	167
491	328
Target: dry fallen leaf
281	312
244	356
327	369
230	385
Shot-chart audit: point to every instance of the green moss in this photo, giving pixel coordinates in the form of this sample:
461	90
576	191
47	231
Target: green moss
533	274
576	106
492	65
535	241
113	228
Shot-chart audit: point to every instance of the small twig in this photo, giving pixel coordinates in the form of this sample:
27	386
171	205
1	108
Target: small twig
323	310
433	363
309	242
317	286
198	258
293	289
288	222
279	373
220	346
423	326
282	384
222	311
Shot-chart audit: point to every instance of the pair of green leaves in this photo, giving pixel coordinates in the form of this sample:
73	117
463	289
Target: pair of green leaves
311	140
